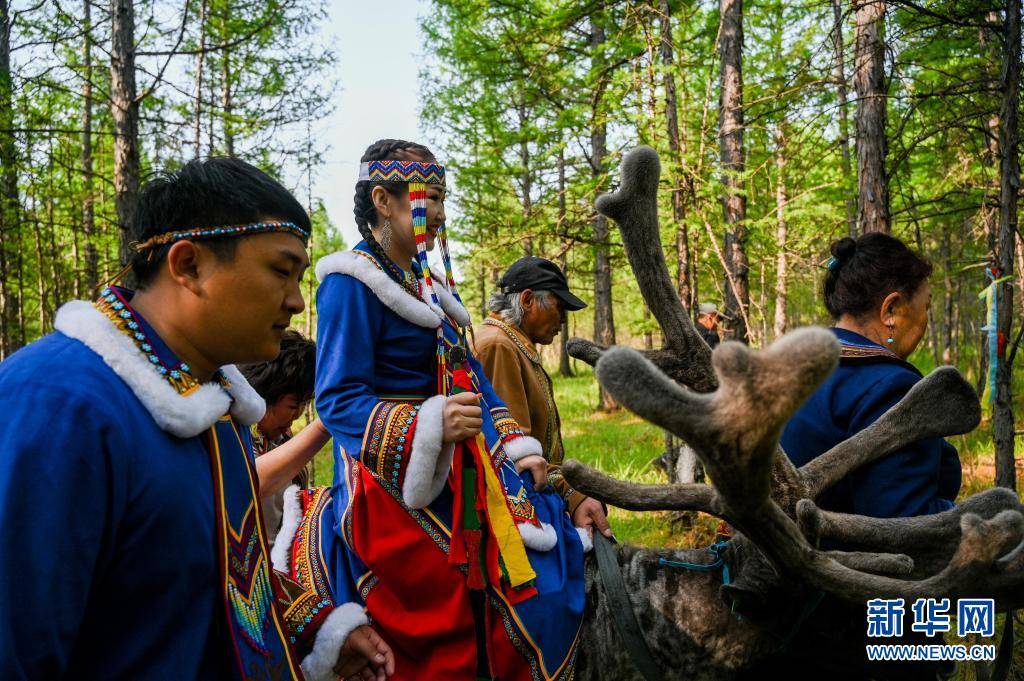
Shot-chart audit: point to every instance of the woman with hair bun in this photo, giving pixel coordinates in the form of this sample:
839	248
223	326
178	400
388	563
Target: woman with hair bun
877	292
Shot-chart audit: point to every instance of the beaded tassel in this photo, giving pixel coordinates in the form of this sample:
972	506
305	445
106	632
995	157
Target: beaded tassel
418	202
446	258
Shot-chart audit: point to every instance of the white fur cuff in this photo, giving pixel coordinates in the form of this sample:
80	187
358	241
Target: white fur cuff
521	446
343	620
281	553
541	538
588	541
430	459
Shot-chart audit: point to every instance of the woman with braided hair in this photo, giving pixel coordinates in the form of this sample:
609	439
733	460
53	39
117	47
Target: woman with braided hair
440	519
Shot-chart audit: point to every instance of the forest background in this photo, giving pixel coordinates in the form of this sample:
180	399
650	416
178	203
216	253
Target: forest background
782	126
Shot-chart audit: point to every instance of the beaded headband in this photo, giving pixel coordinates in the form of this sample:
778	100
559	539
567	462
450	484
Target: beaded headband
218	232
401	171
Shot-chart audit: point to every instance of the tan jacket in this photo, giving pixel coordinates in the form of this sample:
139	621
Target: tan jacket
513	366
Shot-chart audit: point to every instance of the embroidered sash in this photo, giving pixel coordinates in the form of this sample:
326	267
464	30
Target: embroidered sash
259	642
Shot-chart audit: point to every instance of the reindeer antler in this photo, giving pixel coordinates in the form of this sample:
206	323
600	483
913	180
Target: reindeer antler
634	207
735	431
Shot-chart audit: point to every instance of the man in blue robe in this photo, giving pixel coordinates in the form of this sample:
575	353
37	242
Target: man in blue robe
131	544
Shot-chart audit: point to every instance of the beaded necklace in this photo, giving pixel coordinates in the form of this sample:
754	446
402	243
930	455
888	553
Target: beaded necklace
533	355
112	304
411	286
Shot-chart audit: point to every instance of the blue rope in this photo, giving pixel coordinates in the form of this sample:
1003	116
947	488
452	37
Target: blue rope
716	550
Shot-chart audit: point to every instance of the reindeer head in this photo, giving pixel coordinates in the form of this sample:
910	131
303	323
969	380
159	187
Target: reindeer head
731	407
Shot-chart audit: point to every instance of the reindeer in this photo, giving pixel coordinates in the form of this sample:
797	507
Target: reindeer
730	406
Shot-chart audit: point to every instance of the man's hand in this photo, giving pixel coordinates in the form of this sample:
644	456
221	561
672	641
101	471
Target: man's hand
538	466
462	417
590	515
365	655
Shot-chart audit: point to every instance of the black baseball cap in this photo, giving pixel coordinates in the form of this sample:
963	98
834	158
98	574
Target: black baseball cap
538	274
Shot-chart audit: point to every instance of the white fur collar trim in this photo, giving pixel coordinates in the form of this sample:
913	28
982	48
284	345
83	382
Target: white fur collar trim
180	415
391	293
454	308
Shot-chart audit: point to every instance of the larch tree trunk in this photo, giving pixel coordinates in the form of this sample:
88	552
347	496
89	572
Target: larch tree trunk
564	365
872	147
948	321
1009	186
10	202
226	98
124	107
677	146
839	75
88	202
197	127
52	257
604	320
781	233
526	181
730	135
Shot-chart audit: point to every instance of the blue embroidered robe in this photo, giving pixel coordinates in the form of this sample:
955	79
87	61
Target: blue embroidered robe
107	561
108	528
921	479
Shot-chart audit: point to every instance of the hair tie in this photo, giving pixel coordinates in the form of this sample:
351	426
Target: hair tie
832	264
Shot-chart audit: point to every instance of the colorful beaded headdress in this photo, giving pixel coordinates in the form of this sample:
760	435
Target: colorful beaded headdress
222	231
418	175
401	171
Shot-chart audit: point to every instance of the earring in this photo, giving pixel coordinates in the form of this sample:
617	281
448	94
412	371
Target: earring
385	235
890	340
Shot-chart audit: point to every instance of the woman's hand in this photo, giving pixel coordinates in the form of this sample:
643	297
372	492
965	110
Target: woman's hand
462	417
538	466
365	655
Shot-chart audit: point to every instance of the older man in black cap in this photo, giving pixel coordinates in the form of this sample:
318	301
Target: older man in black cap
528	309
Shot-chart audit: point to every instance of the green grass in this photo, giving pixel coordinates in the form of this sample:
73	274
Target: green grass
622	445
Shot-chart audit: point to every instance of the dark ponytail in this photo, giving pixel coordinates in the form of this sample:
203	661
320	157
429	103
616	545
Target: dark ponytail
863	271
363	208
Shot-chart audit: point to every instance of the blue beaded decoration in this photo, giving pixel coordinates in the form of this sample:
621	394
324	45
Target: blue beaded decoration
218	232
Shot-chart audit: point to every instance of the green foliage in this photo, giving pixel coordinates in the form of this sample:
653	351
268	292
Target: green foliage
251	102
517	91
